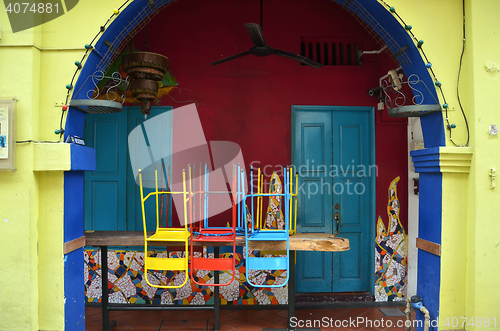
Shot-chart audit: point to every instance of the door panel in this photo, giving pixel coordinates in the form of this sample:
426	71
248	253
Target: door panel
351	129
105	188
332	150
112	197
105	207
316	270
313	141
312	213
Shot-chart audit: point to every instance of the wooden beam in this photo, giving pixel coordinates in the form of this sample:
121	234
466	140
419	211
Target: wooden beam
298	242
429	246
74	245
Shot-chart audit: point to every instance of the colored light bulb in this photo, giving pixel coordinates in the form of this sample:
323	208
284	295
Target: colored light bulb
116	11
87	46
392	9
65	107
437	83
69	86
408	27
445	106
428	65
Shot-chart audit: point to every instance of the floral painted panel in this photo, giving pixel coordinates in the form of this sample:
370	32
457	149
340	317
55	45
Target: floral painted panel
391	251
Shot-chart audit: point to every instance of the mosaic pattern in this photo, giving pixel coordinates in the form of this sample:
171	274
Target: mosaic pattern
391	251
127	283
274	216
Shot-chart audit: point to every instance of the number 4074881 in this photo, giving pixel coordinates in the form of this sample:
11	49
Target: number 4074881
35	8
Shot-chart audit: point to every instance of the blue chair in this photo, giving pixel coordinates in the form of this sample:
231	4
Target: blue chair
256	230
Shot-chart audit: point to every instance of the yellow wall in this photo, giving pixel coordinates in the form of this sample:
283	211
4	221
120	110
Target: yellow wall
50	251
35	66
19	205
483	244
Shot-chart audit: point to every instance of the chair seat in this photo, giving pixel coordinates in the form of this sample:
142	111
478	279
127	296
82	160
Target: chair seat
269	235
211	235
170	234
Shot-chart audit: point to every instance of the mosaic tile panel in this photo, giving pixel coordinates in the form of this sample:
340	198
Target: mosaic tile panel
127	284
391	252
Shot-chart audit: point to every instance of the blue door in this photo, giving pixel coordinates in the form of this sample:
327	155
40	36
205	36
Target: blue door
111	198
334	154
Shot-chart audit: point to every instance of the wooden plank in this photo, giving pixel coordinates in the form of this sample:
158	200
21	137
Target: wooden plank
74	245
298	242
306	242
429	246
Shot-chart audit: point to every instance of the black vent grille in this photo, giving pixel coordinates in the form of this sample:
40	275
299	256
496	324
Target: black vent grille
329	51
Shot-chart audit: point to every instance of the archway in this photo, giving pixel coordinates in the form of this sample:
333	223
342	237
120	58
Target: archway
114	38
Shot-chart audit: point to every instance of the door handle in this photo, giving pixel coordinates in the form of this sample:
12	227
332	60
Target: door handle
337	218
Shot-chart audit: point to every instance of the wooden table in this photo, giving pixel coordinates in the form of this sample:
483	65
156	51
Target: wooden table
298	242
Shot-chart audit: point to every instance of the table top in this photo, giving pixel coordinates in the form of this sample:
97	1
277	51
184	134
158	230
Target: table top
298	242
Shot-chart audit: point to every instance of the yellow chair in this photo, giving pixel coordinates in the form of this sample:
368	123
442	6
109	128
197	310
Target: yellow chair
167	234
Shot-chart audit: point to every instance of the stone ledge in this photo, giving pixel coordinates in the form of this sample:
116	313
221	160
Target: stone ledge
63	157
442	159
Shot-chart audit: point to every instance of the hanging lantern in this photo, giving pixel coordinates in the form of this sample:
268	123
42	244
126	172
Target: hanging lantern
145	69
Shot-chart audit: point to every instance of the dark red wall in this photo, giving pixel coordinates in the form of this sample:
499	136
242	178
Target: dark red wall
249	100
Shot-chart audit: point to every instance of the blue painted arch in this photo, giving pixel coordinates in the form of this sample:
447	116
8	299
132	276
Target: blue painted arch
373	13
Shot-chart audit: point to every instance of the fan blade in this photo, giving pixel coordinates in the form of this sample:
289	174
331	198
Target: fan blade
256	34
296	57
229	58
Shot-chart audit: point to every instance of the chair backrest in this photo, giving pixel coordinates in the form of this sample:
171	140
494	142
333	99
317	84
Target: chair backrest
167	234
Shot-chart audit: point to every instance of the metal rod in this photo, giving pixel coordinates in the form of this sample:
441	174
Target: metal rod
151	307
291	291
216	294
251	190
104	297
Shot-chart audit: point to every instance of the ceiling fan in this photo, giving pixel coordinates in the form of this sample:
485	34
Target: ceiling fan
260	48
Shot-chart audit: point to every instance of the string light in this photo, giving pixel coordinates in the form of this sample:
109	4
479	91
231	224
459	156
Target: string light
78	64
428	65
